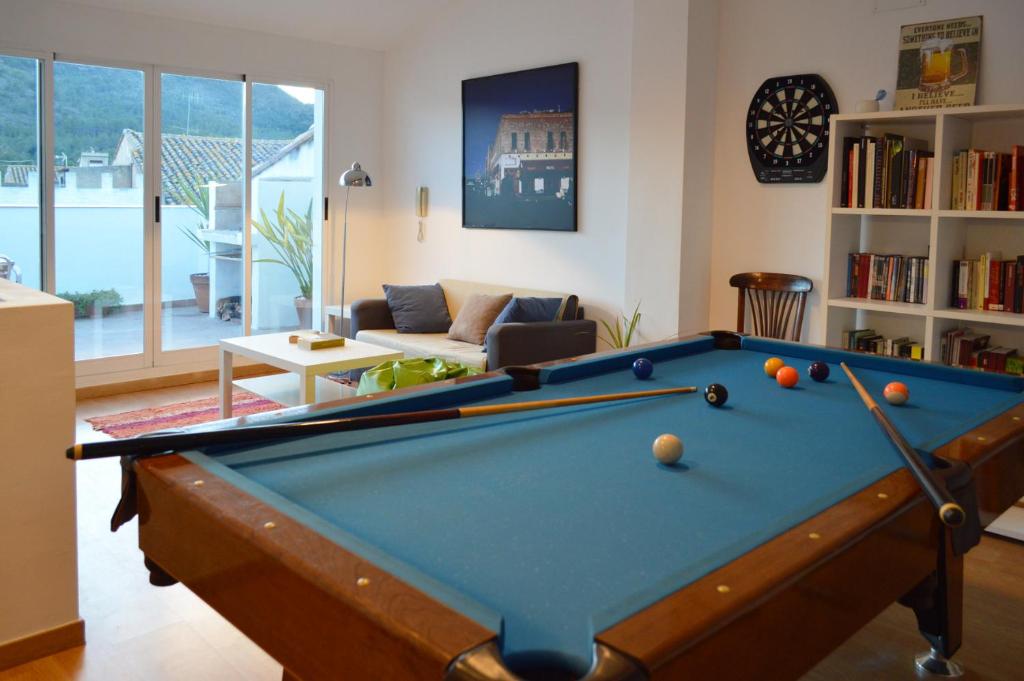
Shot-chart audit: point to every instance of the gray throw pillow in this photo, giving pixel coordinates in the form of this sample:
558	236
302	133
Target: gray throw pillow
476	316
418	309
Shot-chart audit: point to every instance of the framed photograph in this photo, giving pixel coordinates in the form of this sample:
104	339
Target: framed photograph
519	149
939	63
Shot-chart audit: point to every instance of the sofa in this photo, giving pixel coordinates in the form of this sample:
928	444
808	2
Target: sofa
506	344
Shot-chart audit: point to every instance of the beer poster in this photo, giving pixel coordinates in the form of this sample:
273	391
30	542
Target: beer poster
939	63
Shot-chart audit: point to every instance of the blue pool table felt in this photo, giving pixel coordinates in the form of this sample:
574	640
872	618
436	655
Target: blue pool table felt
551	526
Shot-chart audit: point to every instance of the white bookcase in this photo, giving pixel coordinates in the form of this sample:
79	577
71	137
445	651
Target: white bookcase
942	234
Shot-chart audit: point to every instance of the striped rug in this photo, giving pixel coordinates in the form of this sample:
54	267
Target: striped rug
140	421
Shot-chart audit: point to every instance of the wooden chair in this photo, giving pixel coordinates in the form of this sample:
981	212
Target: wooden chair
773	299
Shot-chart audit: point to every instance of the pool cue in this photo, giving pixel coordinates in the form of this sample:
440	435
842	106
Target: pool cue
160	444
950	512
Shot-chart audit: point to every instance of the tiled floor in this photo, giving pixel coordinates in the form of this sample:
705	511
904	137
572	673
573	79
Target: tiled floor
137	632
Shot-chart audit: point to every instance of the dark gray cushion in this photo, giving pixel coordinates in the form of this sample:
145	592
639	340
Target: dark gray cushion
418	309
530	310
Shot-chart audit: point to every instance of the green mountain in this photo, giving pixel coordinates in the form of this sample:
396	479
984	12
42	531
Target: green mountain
93	104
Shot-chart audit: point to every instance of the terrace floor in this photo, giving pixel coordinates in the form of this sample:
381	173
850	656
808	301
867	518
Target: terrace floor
121	333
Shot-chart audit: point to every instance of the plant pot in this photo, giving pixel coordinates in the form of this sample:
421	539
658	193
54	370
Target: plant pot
201	287
304	309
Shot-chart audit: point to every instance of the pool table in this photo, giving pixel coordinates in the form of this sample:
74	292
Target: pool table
551	544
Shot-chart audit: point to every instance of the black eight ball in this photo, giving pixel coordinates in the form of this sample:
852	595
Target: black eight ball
716	394
818	371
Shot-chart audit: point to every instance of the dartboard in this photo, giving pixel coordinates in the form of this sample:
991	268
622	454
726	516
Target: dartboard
787	129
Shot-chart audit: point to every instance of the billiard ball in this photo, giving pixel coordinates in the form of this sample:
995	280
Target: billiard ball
667	448
818	371
716	394
896	393
643	368
787	377
772	366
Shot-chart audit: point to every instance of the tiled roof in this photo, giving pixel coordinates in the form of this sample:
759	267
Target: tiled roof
210	159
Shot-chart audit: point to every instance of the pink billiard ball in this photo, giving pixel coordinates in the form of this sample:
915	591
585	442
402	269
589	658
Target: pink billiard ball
896	393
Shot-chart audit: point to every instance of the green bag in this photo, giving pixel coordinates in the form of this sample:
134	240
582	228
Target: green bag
401	373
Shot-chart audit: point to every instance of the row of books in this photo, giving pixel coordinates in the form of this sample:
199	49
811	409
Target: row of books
892	171
965	348
901	278
988	283
988	180
866	340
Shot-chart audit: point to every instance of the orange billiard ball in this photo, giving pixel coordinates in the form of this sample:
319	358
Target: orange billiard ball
787	377
772	366
896	393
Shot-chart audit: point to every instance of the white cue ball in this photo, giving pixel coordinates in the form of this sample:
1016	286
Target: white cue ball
668	448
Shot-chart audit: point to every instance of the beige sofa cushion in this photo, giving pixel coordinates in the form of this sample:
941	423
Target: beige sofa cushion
476	316
427	345
457	292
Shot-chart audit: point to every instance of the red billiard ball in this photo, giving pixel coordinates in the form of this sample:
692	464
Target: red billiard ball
896	393
787	376
818	371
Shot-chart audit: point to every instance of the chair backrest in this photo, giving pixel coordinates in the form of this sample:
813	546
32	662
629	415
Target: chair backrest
775	300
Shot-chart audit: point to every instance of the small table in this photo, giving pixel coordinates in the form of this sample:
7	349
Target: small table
275	350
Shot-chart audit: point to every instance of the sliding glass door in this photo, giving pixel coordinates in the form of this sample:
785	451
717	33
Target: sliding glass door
21	213
287	206
99	207
173	209
202	210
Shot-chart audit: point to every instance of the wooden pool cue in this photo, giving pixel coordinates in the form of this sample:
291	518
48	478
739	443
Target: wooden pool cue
159	444
950	512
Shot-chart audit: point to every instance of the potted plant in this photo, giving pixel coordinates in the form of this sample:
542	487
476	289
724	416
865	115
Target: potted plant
197	197
621	335
291	236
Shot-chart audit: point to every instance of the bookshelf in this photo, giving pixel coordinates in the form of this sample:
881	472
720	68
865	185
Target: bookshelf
939	233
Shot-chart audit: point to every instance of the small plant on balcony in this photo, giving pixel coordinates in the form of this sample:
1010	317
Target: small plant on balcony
291	236
95	303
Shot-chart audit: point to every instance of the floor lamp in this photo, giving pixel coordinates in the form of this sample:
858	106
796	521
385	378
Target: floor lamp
353	177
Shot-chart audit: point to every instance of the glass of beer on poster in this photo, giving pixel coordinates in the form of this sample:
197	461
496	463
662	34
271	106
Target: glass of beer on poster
937	64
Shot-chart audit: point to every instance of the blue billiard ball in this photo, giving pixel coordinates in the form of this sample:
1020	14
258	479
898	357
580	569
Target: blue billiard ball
643	368
818	371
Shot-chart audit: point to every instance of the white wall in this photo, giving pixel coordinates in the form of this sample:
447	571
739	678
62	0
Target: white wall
781	228
423	146
353	75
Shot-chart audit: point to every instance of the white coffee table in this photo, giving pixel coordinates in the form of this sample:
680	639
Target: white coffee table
305	381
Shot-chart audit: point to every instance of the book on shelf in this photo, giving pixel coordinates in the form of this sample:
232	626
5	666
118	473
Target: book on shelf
988	283
889	172
971	350
987	180
898	278
867	340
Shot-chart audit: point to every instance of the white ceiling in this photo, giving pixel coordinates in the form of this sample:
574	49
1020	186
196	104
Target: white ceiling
373	24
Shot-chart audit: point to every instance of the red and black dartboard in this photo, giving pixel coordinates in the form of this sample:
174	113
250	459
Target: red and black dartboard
787	129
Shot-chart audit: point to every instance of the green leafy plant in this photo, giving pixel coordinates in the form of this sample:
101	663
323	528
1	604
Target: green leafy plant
196	194
86	303
291	235
621	335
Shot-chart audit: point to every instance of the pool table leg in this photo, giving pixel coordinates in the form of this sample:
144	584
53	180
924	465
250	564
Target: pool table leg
938	604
